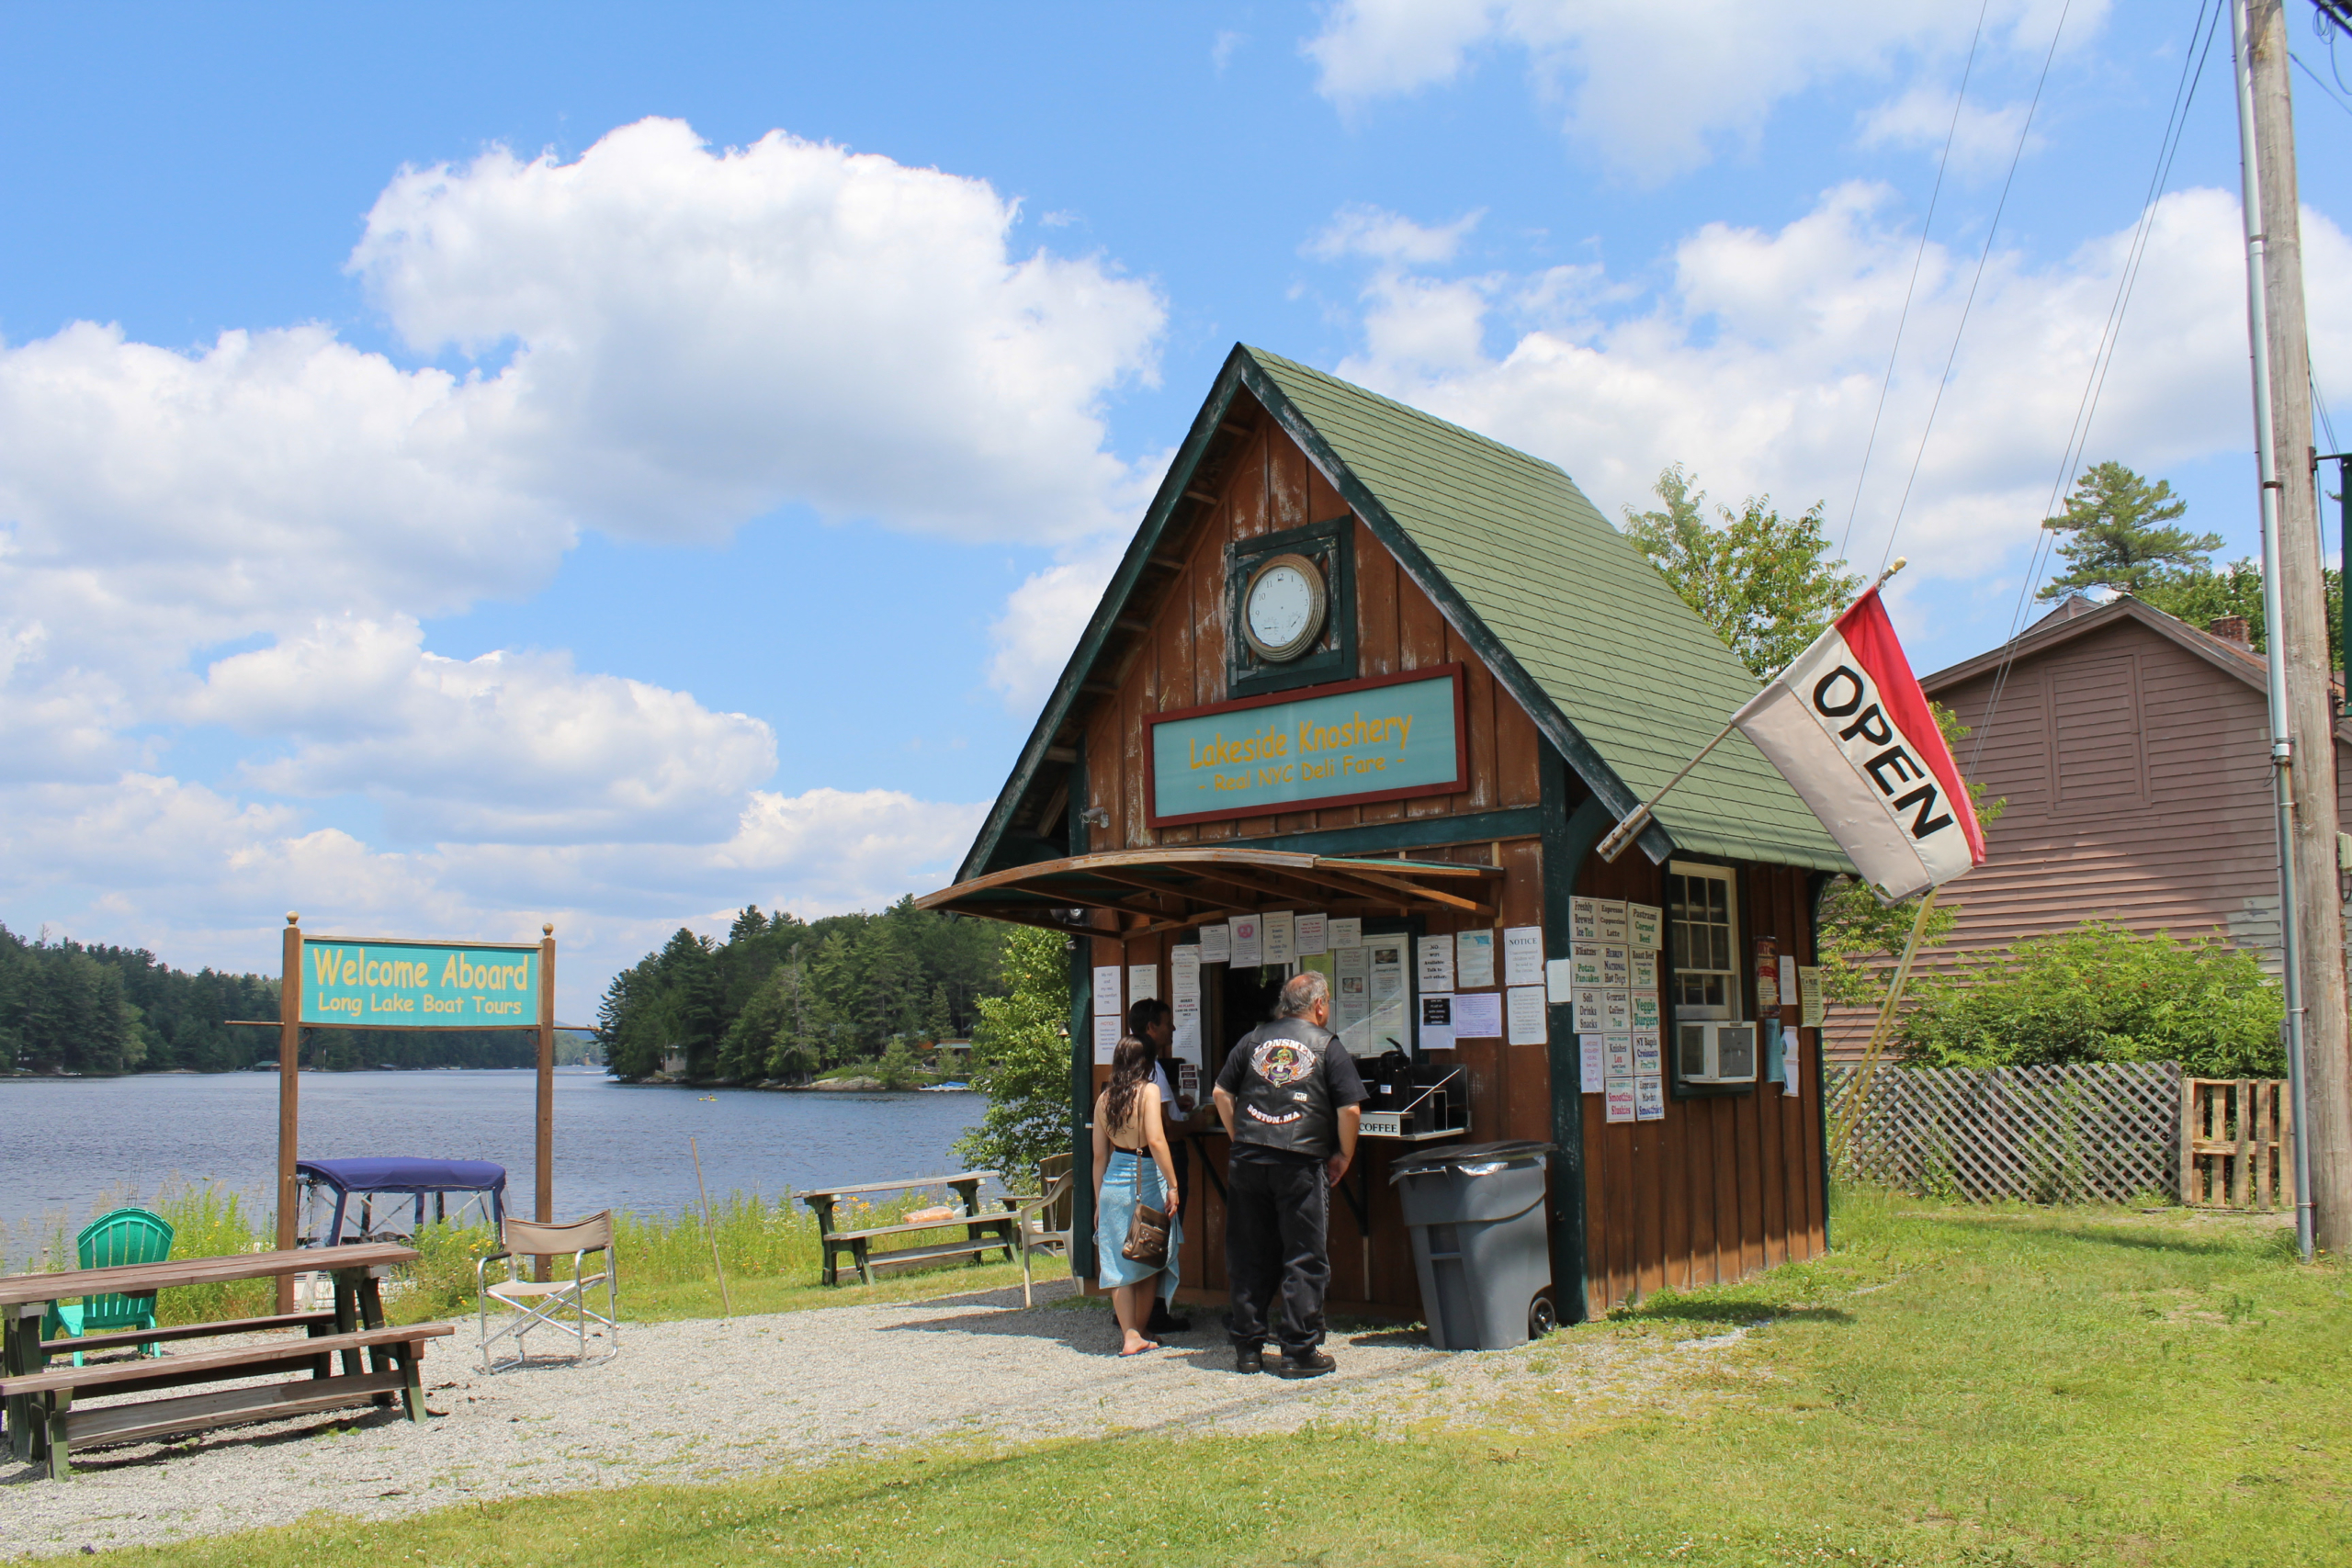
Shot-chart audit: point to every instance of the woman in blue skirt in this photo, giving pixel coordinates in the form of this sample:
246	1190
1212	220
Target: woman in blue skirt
1132	1165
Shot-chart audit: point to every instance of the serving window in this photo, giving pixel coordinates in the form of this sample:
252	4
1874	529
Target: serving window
1703	941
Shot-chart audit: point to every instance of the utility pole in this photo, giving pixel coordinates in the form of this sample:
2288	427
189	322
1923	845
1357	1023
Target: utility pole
2303	742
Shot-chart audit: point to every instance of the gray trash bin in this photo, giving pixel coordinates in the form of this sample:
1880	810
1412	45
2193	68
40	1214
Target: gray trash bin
1480	1242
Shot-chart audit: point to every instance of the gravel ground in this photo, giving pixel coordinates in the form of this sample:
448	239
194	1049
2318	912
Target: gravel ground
702	1400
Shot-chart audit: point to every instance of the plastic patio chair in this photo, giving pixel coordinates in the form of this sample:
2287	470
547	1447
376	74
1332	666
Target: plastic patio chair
124	1236
543	1304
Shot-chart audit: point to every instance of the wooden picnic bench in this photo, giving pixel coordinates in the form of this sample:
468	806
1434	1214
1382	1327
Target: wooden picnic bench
39	1385
983	1233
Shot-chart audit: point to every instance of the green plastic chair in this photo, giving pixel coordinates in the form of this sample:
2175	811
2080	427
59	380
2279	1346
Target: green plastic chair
124	1236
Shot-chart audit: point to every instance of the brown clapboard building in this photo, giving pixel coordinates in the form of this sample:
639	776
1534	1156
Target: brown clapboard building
1362	670
2131	749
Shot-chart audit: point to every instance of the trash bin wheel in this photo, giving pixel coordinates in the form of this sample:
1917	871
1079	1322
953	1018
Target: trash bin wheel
1541	1316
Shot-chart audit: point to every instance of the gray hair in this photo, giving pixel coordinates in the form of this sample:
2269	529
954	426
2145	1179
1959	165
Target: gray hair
1301	992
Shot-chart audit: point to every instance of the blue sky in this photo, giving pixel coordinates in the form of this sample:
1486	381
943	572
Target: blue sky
455	473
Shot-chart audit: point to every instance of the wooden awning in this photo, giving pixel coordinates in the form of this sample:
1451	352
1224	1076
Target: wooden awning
1149	891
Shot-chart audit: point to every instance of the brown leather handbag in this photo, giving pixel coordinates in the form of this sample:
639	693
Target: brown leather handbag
1147	1240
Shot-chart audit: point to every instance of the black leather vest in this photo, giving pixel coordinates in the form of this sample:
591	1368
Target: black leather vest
1285	1099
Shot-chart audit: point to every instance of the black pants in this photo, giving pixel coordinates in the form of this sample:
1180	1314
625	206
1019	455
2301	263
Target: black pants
1277	1210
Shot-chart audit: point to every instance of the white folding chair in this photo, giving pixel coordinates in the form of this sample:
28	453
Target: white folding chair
547	1302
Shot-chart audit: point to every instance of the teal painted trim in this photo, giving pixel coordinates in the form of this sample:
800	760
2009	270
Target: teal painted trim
1597	776
1106	613
1082	1263
1569	838
1479	827
1818	887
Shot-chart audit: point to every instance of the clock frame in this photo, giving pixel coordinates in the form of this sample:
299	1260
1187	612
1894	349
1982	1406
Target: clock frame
1310	630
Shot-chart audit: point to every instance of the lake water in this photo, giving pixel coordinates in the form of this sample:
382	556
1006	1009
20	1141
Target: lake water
67	1143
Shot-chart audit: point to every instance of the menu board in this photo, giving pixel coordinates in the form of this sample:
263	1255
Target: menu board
1618	1097
1611	912
1642	923
1584	919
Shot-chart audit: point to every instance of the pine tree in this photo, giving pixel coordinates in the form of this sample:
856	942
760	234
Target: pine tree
2115	535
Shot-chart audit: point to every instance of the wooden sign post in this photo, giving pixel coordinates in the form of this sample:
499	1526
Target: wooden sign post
395	983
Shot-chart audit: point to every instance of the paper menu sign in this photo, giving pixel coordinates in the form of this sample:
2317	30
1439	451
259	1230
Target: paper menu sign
1618	1098
1649	1099
1616	965
1584	958
1560	980
1644	969
1106	991
1642	925
1644	1009
1436	970
1437	1022
1346	933
1350	992
1816	1006
1107	1040
1589	1048
1527	1024
1474	959
1280	929
1249	941
1143	982
1477	1015
1611	912
1522	956
1788	981
1649	1056
1584	919
1616	1055
1384	963
1186	1042
1312	934
1588	1010
1616	1011
1216	944
1184	971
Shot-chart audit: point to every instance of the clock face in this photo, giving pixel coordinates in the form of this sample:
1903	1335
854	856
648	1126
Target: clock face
1283	610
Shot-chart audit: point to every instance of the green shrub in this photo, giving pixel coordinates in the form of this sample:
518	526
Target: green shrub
2099	993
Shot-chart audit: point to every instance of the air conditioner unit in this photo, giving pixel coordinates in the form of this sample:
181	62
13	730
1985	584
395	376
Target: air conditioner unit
1715	1053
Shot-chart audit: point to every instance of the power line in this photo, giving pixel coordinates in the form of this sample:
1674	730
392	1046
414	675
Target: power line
2339	100
1935	195
2192	73
1969	304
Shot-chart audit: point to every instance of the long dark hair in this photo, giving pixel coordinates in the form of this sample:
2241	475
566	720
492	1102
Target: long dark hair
1131	1066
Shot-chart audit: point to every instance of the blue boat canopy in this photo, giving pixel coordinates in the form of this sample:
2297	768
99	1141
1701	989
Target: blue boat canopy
410	1178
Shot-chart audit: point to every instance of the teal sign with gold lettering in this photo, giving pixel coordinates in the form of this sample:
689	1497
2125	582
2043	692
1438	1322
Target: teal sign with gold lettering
415	985
1389	737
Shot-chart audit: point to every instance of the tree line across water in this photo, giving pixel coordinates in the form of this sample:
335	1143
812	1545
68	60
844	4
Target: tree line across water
70	1007
784	1000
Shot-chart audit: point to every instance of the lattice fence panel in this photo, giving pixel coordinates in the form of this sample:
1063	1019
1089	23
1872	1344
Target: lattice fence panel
2107	1129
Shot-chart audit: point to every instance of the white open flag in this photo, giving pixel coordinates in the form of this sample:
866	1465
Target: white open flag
1848	728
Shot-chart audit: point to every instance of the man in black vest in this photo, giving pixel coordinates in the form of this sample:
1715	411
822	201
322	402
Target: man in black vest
1290	1100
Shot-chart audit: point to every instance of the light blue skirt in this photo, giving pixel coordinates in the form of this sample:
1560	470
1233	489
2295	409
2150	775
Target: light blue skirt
1131	1180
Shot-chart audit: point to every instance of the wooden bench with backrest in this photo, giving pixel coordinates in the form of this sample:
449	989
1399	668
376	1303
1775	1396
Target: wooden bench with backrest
983	1233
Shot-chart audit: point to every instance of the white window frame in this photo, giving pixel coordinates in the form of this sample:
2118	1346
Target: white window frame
1731	1010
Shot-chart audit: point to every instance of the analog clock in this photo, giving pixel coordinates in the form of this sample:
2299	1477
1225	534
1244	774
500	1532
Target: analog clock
1283	608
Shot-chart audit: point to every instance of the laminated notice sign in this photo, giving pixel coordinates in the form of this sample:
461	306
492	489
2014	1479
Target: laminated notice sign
1644	1009
1612	920
1249	941
1526	1017
1312	934
1618	1097
1523	956
1588	1010
1617	1055
1616	1011
1281	929
1584	919
1644	968
1649	1057
1216	944
1649	1099
1477	1015
1143	982
1616	965
1642	921
1814	1007
1437	1022
1584	958
1474	960
1346	933
1436	973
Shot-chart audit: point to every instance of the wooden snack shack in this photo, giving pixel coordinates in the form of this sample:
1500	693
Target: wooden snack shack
1364	694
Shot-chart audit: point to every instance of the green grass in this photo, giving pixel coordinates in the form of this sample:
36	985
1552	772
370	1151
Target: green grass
1953	1385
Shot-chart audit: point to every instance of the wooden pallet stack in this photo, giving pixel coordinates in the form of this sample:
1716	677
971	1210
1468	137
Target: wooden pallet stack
2236	1148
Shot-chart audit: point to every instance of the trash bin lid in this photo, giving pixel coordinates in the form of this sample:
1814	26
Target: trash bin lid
1454	1155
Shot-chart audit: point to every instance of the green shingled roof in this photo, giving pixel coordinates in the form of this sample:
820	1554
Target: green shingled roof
1637	676
1615	669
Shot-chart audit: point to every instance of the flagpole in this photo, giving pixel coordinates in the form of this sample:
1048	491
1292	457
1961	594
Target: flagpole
1638	819
1867	1068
